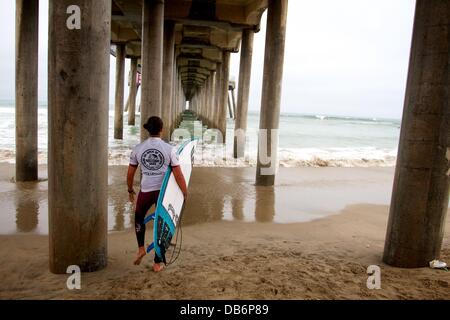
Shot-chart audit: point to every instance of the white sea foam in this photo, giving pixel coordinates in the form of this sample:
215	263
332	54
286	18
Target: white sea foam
313	141
218	156
211	156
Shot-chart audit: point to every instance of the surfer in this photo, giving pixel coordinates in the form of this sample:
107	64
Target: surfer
154	156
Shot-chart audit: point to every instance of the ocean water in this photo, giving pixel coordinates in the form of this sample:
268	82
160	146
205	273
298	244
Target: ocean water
304	140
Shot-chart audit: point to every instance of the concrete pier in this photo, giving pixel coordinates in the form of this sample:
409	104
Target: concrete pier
168	61
27	34
80	35
120	91
421	185
133	92
271	90
152	60
245	70
78	135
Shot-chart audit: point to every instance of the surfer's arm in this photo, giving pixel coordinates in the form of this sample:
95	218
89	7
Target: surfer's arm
179	178
130	180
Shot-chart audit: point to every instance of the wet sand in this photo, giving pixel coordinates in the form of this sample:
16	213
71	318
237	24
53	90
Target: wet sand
311	237
301	195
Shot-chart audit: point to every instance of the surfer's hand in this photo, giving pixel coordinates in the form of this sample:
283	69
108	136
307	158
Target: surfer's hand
131	196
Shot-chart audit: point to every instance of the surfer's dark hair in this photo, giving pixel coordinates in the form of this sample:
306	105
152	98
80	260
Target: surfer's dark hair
154	125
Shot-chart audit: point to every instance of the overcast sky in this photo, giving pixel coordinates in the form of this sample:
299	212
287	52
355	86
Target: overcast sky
346	57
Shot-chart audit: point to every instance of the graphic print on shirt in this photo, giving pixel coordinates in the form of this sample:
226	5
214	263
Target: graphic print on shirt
152	159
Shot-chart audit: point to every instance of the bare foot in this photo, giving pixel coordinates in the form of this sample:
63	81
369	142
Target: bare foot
141	253
157	267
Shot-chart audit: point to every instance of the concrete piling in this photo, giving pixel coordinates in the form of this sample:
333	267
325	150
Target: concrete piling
421	184
78	110
168	61
173	107
245	70
230	107
133	92
233	102
215	85
223	95
217	96
78	135
27	35
152	60
120	91
210	99
271	90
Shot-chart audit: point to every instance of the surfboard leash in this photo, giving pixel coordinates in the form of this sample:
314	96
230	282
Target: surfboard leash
179	232
179	235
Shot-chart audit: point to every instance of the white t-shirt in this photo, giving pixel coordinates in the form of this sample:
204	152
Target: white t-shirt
154	156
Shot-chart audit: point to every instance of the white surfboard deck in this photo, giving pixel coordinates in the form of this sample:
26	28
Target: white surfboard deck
173	197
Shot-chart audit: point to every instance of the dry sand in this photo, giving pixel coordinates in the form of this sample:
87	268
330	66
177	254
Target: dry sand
233	247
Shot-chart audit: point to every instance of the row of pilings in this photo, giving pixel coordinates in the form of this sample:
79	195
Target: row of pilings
78	120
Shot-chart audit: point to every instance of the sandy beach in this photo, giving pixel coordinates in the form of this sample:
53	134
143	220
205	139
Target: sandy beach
311	237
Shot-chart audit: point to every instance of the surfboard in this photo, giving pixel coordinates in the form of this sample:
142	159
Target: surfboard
170	202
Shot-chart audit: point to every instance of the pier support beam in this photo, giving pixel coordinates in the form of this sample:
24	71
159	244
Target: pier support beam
203	101
245	71
271	92
201	96
193	104
78	135
210	99
421	185
173	107
169	48
198	103
27	35
215	98
223	95
198	100
133	92
233	102
218	96
182	99
120	91
152	60
230	107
